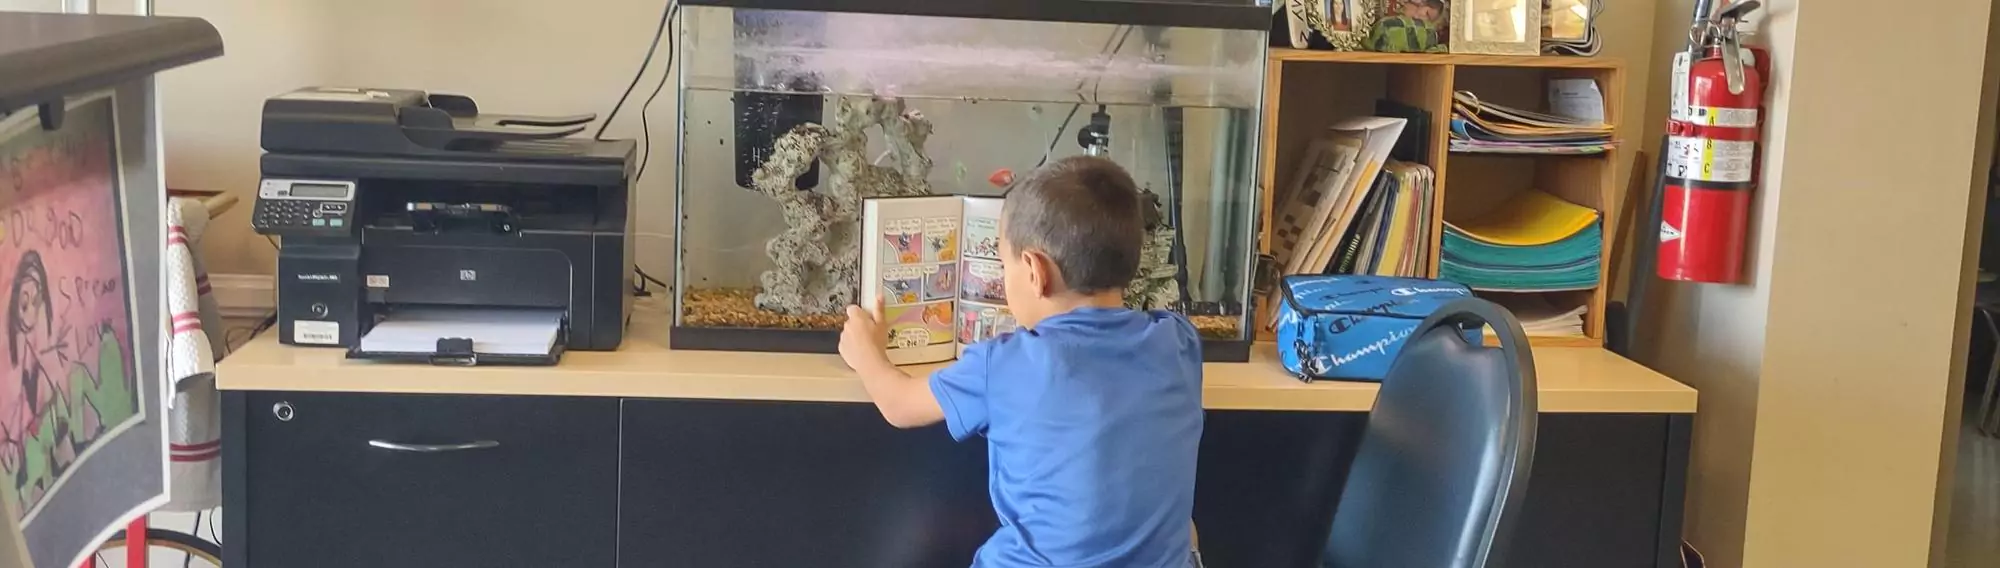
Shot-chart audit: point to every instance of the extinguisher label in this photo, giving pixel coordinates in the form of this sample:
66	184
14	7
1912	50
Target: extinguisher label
1678	95
1702	159
1668	232
1729	117
1683	110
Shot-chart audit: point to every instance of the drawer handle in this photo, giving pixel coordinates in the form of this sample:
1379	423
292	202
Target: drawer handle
433	448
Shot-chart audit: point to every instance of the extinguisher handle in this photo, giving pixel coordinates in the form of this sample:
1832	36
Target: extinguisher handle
1737	10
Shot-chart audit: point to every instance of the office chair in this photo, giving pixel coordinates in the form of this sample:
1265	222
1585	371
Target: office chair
1439	476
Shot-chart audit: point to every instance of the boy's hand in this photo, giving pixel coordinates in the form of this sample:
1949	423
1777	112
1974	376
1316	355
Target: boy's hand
863	344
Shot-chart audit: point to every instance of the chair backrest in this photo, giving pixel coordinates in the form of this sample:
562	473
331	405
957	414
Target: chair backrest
1440	473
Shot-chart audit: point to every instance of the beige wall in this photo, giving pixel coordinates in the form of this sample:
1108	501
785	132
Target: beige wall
552	58
514	57
1828	380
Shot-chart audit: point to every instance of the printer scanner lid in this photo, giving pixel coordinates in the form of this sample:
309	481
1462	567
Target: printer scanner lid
405	122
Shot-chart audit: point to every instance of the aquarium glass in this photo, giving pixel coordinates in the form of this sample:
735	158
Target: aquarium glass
997	96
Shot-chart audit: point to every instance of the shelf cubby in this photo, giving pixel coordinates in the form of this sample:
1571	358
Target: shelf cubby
1306	91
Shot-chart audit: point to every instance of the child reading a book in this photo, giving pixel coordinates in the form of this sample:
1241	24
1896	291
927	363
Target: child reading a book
1092	411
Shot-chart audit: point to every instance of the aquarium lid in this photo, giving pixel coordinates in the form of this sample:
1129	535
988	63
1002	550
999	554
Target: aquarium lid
1218	14
46	57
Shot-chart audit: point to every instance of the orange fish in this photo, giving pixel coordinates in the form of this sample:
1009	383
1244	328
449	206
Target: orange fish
1002	177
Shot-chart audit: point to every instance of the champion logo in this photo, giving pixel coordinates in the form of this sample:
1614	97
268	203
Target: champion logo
1668	232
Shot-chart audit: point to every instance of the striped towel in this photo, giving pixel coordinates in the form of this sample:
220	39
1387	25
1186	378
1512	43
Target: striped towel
194	418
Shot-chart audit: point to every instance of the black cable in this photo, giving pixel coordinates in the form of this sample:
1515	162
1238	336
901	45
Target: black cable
645	127
644	64
188	562
1109	49
650	278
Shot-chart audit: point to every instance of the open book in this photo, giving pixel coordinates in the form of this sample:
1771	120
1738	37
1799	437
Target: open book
934	264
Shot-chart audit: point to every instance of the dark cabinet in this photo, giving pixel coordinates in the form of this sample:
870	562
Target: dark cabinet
421	481
722	484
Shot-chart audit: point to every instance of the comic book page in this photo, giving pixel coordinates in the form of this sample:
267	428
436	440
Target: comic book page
982	297
910	264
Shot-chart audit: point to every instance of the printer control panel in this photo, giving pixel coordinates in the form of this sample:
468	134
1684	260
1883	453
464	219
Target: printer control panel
304	208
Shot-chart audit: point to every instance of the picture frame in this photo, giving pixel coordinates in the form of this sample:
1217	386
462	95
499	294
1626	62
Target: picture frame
1496	27
1569	27
1339	25
1411	26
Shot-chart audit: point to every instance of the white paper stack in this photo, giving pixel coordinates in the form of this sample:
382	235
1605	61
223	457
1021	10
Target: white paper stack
1540	317
493	331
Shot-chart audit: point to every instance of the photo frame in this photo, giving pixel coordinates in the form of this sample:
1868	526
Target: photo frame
1496	27
1411	26
1339	25
1569	27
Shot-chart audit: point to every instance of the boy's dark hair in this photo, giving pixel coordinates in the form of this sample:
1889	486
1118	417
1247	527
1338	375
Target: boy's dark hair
1084	213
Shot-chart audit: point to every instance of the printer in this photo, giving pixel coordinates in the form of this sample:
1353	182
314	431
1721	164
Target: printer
455	237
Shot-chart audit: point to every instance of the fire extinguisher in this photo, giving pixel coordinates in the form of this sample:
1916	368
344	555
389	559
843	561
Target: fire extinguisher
1711	152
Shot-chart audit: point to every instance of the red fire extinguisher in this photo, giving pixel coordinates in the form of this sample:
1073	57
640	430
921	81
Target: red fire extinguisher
1712	154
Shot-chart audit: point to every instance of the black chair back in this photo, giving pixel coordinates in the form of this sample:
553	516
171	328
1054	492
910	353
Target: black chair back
1439	476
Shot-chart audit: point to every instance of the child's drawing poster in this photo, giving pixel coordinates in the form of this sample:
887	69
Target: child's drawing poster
68	380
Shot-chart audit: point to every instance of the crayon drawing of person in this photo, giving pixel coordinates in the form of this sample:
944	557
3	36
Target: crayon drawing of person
51	422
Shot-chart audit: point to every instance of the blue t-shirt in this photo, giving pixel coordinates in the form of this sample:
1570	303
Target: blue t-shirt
1092	422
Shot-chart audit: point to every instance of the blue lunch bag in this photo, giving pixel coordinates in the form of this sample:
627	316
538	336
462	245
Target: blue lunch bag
1351	327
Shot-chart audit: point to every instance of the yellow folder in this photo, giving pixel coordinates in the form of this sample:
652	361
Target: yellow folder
1530	218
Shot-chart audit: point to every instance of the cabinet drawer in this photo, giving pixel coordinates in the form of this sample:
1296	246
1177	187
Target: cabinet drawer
751	484
417	480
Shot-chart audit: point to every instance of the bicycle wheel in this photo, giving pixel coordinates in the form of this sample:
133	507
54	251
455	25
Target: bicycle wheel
193	547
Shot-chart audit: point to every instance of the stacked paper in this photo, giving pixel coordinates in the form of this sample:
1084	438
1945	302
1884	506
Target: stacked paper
1535	242
1480	126
1541	317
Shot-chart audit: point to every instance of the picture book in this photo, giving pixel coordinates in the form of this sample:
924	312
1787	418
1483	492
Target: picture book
933	263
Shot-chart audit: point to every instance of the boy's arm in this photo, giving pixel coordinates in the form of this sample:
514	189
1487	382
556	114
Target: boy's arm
905	401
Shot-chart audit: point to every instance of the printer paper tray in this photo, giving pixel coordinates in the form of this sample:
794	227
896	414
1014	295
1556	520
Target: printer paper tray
466	337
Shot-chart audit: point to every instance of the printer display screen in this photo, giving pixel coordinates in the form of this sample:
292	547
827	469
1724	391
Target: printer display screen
318	190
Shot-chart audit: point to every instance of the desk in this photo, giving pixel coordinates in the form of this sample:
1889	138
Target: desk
653	457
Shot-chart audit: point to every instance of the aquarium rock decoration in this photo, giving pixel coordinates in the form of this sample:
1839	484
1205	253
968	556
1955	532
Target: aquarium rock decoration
1154	287
818	256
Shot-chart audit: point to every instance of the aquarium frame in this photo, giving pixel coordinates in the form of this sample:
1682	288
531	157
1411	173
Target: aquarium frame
1130	12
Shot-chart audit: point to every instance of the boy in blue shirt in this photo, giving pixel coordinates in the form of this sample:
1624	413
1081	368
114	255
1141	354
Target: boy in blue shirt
1091	411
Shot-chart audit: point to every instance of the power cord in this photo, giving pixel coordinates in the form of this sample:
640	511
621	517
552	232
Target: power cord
645	127
659	31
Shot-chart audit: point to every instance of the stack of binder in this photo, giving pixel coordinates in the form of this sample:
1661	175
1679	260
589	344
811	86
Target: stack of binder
1393	232
1535	242
1484	127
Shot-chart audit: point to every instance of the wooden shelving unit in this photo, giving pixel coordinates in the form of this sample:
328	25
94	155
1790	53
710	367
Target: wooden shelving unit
1306	91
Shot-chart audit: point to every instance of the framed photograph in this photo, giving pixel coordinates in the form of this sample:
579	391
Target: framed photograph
1411	26
1496	27
1569	27
1340	25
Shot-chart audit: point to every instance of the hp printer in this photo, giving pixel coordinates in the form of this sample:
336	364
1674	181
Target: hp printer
449	235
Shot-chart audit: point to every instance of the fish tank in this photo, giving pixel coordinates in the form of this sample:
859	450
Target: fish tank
794	112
